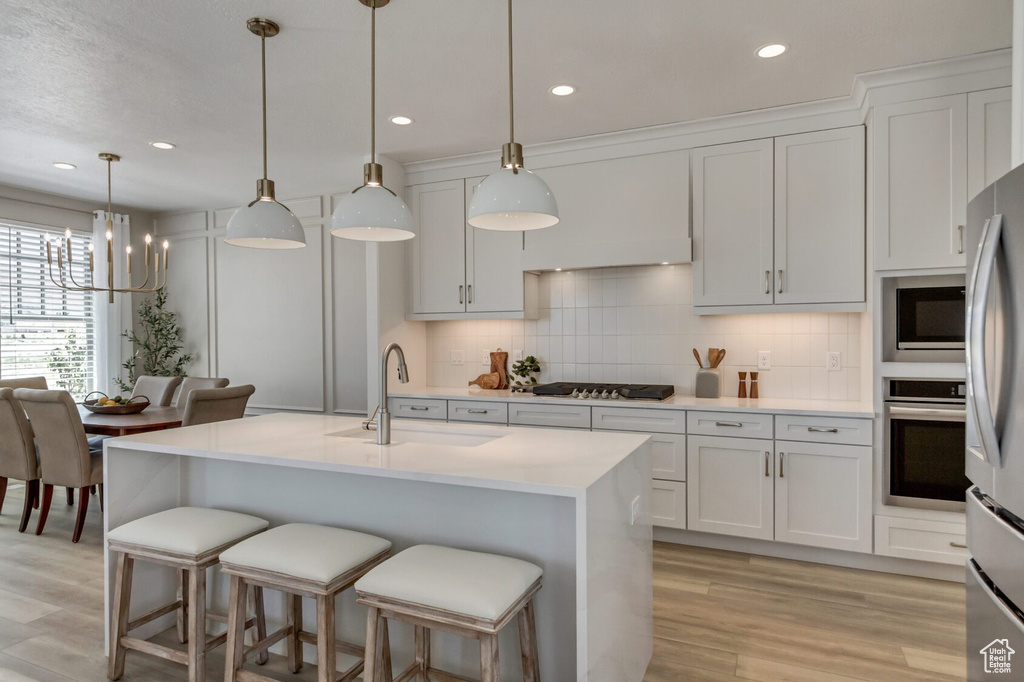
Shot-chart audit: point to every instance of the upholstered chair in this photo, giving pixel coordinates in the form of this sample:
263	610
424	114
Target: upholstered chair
17	453
192	383
206	405
64	455
159	390
26	382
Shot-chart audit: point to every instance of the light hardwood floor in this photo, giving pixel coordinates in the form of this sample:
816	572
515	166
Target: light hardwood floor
718	616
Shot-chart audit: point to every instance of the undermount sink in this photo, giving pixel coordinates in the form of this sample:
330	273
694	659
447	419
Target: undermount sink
402	433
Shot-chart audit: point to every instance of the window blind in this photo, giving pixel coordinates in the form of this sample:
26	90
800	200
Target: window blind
45	330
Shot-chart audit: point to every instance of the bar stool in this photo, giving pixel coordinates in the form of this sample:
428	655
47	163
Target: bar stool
452	590
189	539
301	560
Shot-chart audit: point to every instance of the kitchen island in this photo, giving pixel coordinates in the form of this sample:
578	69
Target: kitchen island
573	502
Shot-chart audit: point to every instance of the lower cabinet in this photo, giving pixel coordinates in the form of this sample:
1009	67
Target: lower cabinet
730	486
668	504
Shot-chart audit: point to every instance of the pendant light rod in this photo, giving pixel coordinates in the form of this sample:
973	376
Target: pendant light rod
263	67
373	83
511	98
264	28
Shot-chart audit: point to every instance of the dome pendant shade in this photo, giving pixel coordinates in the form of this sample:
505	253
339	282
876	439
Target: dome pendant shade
513	200
372	213
265	224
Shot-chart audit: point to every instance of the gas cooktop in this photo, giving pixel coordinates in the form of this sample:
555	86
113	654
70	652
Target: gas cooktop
572	389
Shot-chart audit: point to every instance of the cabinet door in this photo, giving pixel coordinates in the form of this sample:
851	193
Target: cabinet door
494	273
439	249
919	179
823	495
732	223
730	486
668	504
819	217
988	138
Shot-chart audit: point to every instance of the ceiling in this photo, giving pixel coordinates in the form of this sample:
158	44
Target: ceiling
78	77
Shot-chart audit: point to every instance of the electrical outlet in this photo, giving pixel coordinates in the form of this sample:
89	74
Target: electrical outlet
517	356
485	358
458	357
634	511
764	359
834	363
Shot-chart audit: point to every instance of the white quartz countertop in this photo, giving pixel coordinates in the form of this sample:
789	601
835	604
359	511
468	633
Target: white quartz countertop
546	461
826	408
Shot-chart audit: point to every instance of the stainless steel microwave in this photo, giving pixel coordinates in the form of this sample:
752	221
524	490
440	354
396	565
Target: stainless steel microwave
924	318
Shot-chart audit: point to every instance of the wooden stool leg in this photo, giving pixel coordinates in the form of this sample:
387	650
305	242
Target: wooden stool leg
83	509
489	671
528	643
44	507
235	646
326	655
293	607
119	615
370	670
197	624
259	614
31	500
70	492
384	662
423	650
183	611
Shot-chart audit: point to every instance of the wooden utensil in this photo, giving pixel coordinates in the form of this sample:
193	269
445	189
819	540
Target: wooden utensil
721	357
697	355
712	352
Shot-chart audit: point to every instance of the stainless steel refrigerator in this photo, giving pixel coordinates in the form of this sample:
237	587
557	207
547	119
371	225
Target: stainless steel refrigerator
994	243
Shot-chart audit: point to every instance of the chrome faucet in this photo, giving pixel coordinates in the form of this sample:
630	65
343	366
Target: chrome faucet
382	423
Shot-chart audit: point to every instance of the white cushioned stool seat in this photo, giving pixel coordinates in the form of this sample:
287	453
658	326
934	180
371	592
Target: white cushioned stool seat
456	580
306	551
189	531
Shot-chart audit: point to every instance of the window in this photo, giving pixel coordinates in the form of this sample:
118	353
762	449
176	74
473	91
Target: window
45	330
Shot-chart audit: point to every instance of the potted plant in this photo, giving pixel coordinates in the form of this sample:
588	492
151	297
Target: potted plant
524	374
157	349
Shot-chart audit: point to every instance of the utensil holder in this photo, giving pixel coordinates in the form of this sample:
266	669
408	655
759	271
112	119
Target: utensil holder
708	384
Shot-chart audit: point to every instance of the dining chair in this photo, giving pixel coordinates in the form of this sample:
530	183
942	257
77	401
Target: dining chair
192	383
25	382
207	405
17	453
65	458
159	390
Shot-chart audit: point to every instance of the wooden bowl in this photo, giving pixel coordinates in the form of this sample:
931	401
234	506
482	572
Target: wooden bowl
132	406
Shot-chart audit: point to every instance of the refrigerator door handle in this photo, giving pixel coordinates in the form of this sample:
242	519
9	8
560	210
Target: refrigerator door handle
977	379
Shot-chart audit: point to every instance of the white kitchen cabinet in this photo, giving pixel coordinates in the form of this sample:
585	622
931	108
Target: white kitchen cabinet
733	218
730	486
668	504
919	182
459	271
819	217
626	211
988	138
823	495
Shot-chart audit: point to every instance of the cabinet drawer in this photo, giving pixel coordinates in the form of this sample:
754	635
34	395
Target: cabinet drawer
841	431
418	408
668	456
561	416
938	541
668	504
732	424
468	411
639	419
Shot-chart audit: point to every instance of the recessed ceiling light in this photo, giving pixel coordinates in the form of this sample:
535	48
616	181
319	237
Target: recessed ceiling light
63	165
162	145
400	120
563	90
773	50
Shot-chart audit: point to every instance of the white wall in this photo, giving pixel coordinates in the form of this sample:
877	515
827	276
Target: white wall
637	325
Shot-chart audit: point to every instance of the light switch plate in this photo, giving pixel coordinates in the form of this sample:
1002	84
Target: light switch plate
764	359
517	356
834	361
458	357
485	358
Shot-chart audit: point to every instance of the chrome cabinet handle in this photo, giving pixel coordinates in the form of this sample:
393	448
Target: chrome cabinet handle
957	545
767	455
736	425
767	281
819	429
460	294
782	465
780	281
418	408
476	411
977	380
960	236
469	290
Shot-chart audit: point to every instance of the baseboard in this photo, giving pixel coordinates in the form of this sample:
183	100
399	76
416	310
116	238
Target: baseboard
817	555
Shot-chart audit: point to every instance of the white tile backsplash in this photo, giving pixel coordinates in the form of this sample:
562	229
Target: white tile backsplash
637	325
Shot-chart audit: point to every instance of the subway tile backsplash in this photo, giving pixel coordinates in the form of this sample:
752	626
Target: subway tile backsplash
637	325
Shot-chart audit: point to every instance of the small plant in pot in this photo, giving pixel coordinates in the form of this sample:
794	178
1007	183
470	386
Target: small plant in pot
524	374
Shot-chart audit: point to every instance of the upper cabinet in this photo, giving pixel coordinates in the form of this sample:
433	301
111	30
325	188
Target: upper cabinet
625	211
459	271
778	224
929	157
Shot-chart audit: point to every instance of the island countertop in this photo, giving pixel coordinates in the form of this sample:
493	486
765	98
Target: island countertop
547	461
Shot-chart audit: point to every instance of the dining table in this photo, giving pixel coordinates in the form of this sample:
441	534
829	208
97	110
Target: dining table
153	418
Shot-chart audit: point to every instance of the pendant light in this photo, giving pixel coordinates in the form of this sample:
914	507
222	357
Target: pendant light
265	223
372	212
512	198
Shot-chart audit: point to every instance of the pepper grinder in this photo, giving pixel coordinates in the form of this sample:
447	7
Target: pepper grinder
743	385
753	385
